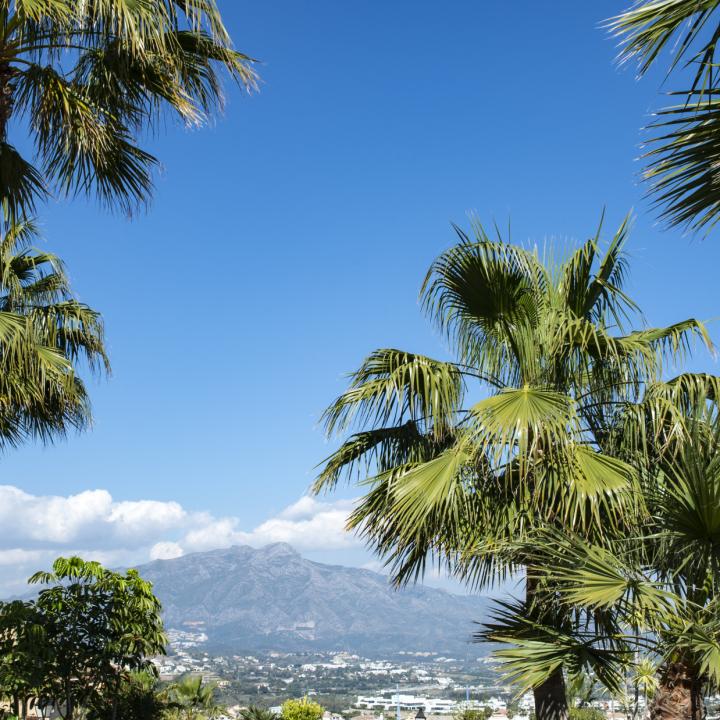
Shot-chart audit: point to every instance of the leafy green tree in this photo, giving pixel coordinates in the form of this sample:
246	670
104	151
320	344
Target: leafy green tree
303	709
472	714
45	336
98	625
684	151
23	655
194	699
464	459
87	79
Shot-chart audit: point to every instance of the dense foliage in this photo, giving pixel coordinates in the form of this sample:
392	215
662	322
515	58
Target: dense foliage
303	709
72	648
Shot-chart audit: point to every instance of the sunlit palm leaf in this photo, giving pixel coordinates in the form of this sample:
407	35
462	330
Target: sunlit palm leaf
393	386
653	25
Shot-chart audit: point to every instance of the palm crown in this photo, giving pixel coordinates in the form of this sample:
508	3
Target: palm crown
467	483
545	343
89	77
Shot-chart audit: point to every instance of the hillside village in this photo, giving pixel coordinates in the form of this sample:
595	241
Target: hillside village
352	686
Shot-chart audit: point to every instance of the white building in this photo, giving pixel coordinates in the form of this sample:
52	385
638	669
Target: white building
431	706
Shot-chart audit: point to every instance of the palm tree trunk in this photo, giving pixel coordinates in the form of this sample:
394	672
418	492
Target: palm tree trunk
550	696
679	696
7	89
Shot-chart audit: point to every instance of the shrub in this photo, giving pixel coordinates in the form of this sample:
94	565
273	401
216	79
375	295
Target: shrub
302	710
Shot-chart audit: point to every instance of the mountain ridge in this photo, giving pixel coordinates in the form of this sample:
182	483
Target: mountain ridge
272	598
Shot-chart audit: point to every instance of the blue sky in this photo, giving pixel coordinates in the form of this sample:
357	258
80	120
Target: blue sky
290	238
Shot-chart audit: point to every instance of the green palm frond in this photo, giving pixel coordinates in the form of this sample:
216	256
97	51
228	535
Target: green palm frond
592	488
683	155
81	147
45	334
651	26
703	643
538	649
381	449
392	387
478	293
523	423
645	676
23	186
433	489
592	286
92	78
601	578
684	147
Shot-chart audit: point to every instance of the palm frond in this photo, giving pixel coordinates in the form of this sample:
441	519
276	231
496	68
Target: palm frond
523	423
682	162
592	285
380	449
21	185
539	650
651	26
479	294
393	386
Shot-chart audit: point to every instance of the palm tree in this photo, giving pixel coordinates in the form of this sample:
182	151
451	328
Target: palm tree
663	580
462	482
684	151
194	699
257	713
45	337
87	79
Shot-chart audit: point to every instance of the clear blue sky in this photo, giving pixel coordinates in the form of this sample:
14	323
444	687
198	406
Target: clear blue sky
289	239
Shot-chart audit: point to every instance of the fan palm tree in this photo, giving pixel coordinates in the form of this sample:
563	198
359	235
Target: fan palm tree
684	151
194	699
459	481
662	581
87	79
257	713
46	336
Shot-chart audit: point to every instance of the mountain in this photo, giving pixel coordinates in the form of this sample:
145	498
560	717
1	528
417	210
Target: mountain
274	599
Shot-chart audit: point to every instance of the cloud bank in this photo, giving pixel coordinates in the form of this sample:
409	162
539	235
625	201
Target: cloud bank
38	528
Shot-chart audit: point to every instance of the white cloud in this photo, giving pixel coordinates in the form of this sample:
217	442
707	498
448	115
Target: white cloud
143	516
165	551
308	524
18	556
38	528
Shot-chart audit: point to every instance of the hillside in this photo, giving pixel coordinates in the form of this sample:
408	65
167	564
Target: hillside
273	598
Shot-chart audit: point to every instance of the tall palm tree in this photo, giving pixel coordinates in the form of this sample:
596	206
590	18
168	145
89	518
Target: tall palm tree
46	336
663	580
86	80
684	149
463	459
